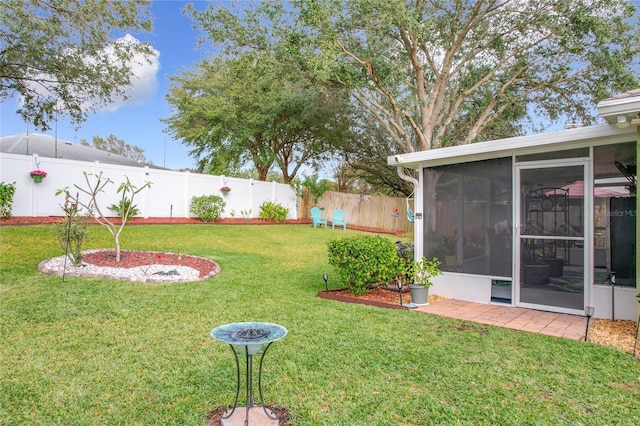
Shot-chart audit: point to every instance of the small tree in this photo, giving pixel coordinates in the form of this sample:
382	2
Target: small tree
72	231
126	188
317	187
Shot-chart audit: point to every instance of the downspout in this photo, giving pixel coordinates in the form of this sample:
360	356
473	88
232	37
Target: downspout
418	228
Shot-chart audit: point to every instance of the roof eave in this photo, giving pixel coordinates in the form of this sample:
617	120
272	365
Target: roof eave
504	147
611	109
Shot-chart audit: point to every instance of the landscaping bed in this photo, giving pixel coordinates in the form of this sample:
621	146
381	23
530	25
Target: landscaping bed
381	297
44	220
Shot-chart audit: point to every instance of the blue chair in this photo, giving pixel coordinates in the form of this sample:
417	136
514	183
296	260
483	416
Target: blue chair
316	217
338	219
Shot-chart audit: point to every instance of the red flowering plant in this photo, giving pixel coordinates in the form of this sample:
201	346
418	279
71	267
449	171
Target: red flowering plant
225	189
38	172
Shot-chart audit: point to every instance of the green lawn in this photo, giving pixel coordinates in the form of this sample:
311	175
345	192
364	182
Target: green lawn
97	352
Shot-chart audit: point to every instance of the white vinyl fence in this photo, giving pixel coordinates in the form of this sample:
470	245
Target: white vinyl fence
169	195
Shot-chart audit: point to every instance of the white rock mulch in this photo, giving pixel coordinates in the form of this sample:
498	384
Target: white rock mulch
149	273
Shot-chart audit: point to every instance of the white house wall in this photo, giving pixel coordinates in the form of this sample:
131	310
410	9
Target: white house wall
473	288
624	306
169	195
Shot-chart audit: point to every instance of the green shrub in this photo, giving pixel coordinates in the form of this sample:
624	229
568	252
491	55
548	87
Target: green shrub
6	198
124	208
405	251
208	208
274	212
362	260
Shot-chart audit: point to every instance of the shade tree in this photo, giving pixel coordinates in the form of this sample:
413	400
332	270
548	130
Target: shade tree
440	73
254	110
69	57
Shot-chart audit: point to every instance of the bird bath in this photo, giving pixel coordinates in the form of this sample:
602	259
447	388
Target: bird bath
248	338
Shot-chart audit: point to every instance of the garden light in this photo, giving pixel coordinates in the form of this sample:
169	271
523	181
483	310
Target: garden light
399	284
637	327
325	277
588	311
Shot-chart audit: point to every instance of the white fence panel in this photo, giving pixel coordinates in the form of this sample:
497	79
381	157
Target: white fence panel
238	200
16	168
169	195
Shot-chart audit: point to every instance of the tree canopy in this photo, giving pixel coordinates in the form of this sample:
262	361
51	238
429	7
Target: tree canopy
433	73
253	108
117	146
437	73
64	56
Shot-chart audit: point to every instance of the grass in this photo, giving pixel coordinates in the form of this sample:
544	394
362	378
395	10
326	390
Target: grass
96	351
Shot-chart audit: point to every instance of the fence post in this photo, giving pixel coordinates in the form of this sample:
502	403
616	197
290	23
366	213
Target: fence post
251	186
146	192
187	193
35	205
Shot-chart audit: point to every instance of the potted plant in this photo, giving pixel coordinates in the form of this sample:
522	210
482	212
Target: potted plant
421	272
448	246
225	190
37	175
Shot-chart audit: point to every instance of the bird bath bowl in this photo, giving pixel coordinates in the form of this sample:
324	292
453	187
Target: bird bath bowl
248	338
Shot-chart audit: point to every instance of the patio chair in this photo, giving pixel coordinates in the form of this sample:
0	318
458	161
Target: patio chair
338	219
316	217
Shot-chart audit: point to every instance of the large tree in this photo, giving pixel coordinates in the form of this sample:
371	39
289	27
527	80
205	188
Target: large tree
117	146
437	73
254	108
61	56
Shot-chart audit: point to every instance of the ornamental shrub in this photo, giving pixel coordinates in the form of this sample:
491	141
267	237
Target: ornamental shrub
124	208
208	208
274	212
6	198
363	260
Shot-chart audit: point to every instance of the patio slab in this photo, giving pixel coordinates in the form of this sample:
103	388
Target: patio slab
549	323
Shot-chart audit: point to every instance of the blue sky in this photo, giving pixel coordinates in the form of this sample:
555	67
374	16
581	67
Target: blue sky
137	122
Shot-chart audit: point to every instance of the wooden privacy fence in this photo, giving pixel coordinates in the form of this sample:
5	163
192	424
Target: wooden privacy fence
370	211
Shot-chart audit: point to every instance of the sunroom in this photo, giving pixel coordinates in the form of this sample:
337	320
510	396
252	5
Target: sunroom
544	221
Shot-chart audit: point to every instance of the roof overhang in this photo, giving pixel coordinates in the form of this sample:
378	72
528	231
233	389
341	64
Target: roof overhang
554	141
621	109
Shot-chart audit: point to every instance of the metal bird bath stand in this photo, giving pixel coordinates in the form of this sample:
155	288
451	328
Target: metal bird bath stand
248	338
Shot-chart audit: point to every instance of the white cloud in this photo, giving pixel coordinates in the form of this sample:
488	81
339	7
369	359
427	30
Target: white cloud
144	81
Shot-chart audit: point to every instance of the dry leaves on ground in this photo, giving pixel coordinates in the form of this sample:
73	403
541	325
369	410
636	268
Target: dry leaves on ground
619	334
